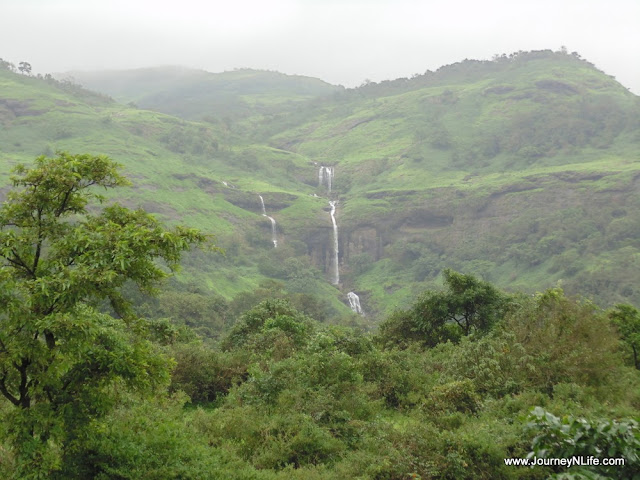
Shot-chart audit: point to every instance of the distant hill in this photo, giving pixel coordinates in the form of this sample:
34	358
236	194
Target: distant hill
524	170
197	94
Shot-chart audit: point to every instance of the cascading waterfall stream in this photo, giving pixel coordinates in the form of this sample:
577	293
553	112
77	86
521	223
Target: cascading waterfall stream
325	177
274	236
354	303
336	274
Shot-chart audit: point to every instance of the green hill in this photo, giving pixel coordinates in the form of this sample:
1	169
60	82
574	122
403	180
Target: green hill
199	95
523	170
197	174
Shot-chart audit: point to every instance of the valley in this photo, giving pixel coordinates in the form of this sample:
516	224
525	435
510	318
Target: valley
522	170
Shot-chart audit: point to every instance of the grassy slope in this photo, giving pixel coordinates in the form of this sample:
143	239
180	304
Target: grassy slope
522	170
539	141
196	94
178	169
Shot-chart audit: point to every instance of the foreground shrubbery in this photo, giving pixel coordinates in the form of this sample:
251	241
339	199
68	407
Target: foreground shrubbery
442	391
287	397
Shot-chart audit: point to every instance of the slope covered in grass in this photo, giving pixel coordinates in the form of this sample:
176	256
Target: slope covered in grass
198	174
198	95
523	170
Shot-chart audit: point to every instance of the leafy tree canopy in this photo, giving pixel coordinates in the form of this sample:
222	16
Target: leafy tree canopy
271	324
626	318
467	305
60	355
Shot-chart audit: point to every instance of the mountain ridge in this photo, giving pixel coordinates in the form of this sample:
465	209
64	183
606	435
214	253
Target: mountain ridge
191	93
526	176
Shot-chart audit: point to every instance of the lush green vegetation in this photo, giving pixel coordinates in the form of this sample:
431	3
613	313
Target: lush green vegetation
61	358
522	170
191	172
104	376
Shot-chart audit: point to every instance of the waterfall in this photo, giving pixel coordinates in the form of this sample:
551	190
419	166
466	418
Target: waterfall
336	274
325	177
274	236
354	303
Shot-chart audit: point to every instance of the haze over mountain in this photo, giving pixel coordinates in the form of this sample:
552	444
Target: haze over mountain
196	94
342	42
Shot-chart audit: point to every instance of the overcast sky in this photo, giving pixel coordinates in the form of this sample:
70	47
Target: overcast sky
342	42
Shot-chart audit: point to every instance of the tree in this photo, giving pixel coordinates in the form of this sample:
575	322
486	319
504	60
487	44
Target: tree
60	261
5	65
271	324
25	68
626	318
471	303
467	305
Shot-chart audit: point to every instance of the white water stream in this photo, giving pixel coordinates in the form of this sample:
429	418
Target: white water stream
274	236
336	272
354	303
325	177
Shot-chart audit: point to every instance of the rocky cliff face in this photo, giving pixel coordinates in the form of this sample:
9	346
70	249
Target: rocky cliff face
319	242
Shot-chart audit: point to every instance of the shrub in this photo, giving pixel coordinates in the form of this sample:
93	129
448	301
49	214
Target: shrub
269	323
567	341
457	396
568	437
496	364
205	374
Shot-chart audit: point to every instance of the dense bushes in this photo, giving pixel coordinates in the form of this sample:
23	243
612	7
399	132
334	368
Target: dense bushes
570	437
468	305
285	397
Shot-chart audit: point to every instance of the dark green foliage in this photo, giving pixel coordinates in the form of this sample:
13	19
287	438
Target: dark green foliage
309	304
519	171
565	341
205	313
304	408
273	324
626	319
147	440
402	378
496	364
472	304
290	398
457	396
568	436
60	357
206	374
468	305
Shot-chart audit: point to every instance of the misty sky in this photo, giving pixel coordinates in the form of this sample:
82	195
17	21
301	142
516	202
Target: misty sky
342	42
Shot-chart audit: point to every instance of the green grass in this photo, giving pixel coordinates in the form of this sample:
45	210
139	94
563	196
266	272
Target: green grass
521	170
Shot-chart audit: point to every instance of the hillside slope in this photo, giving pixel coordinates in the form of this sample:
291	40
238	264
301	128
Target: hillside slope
197	174
200	95
524	170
